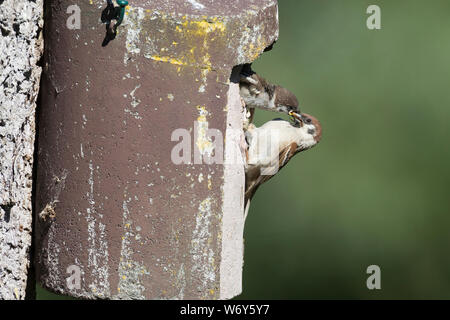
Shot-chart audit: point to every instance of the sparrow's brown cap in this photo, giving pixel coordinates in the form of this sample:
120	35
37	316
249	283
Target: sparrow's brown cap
286	98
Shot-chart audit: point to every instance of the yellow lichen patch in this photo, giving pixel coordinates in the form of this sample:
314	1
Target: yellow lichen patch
209	184
203	113
213	261
203	26
204	143
199	31
206	62
255	50
204	206
168	59
195	32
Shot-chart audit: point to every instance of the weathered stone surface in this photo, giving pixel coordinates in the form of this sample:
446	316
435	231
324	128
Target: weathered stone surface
109	199
20	50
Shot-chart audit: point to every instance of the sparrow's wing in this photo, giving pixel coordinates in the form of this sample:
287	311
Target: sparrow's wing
284	156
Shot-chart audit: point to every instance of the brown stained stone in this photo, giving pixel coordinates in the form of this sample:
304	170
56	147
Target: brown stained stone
115	205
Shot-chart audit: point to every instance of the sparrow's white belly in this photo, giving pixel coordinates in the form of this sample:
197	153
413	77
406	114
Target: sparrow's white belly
266	142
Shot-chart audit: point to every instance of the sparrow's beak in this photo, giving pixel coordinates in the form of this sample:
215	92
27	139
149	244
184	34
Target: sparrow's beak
297	117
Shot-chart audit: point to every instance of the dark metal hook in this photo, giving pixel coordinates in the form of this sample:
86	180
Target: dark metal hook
109	14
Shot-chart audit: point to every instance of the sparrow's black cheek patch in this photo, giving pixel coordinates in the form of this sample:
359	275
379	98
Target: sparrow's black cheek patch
311	131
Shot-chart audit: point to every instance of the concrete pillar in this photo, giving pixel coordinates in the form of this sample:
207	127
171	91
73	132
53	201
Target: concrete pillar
20	50
112	204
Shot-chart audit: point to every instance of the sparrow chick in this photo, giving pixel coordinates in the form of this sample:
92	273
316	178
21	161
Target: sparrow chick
272	145
258	93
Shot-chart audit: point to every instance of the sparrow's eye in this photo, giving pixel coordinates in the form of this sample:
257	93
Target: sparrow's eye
308	120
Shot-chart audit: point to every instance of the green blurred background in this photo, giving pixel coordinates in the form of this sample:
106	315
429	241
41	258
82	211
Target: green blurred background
376	189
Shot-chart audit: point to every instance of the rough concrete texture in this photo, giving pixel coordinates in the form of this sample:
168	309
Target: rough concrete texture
20	50
110	200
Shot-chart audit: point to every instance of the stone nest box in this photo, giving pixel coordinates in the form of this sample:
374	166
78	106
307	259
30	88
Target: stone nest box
113	207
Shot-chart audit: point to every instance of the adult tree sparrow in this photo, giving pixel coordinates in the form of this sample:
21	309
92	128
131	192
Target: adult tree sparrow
256	92
271	146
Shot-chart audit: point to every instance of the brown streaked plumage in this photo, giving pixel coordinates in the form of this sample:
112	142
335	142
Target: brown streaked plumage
259	93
